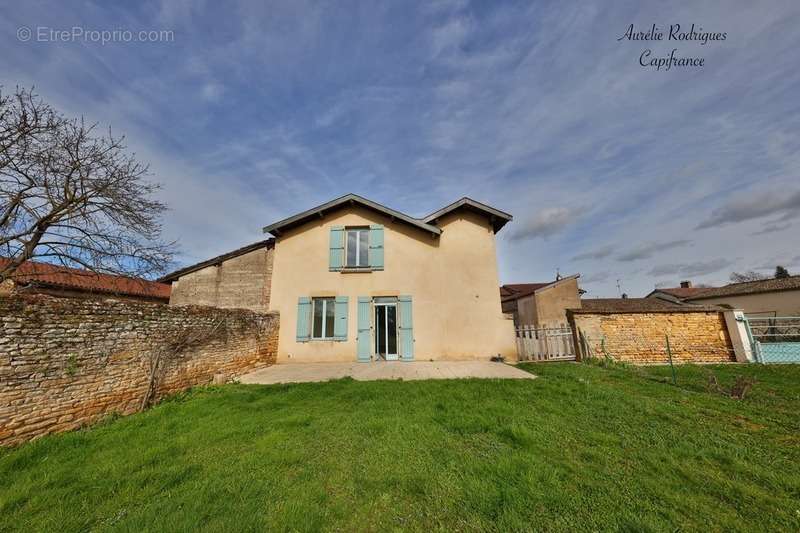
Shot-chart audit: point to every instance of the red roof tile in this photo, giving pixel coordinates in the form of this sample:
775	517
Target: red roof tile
682	292
512	291
84	280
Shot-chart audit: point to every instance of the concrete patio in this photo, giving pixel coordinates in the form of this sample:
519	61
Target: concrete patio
309	372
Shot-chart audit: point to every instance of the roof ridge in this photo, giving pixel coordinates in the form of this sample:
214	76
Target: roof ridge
757	280
172	276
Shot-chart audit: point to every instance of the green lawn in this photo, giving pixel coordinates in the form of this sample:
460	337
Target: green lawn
581	448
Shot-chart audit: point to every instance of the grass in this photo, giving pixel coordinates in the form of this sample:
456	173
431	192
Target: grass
584	447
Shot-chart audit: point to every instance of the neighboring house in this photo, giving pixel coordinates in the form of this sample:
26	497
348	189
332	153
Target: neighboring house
356	281
677	294
542	305
766	298
45	278
239	279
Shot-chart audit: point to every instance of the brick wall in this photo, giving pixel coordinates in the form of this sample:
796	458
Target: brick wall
65	363
639	338
241	282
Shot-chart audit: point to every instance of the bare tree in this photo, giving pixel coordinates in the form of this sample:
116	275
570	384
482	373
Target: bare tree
72	196
750	275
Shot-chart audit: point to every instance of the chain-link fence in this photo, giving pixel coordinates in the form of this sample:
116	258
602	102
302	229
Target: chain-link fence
775	339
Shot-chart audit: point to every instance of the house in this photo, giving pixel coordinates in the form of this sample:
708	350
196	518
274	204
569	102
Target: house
542	305
55	280
354	280
677	294
776	297
237	279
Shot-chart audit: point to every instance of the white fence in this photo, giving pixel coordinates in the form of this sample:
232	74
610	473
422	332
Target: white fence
545	344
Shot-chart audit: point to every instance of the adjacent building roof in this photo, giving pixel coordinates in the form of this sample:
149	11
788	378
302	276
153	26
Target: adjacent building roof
681	293
515	291
173	276
636	305
791	283
56	276
498	218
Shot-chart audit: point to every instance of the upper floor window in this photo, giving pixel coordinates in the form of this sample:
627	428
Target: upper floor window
357	247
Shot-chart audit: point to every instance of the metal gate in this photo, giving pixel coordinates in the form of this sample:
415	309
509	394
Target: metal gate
775	339
545	344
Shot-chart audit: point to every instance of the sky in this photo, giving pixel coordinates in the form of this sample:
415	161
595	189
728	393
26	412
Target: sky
251	111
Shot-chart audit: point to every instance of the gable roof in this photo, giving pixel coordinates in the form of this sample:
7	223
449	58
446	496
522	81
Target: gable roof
750	287
497	217
515	291
48	275
348	199
173	276
680	293
428	223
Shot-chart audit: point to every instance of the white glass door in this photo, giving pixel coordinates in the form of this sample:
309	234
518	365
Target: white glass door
386	331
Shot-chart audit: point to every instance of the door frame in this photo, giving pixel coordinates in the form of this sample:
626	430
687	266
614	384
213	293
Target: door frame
386	304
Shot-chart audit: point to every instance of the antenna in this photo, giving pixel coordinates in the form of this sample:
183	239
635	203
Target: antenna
619	288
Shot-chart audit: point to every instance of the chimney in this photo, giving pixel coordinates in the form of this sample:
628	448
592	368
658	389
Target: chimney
686	284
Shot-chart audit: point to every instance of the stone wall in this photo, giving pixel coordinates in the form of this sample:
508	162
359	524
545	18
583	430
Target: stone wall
65	363
640	338
241	282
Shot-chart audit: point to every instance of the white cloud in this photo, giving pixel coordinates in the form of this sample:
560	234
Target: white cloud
545	223
756	204
648	250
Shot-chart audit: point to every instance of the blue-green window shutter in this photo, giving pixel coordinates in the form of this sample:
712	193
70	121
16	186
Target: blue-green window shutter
376	246
340	319
303	319
337	248
364	331
406	328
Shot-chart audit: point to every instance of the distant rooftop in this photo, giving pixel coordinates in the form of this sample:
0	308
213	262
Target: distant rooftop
750	287
636	305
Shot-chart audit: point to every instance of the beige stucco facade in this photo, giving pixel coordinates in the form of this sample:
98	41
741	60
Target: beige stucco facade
778	303
452	279
547	307
553	301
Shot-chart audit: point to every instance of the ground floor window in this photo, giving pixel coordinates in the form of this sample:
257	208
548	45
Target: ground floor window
323	312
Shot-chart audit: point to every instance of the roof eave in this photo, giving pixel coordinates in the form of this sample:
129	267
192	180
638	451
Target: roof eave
174	276
320	211
498	218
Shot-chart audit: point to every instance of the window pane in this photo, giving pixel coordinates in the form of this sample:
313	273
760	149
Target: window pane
380	330
391	329
330	309
317	331
352	236
363	250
